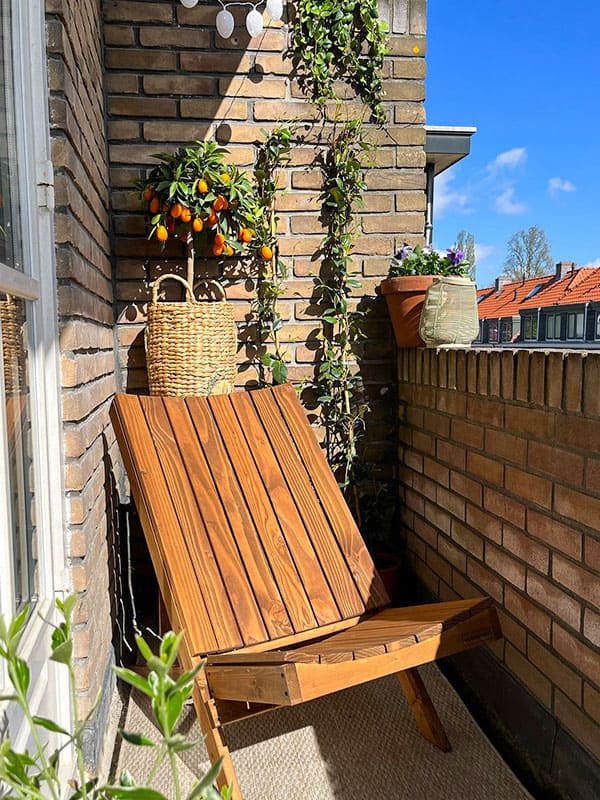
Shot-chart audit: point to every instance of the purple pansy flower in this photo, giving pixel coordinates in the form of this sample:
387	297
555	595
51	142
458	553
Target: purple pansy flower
455	255
404	251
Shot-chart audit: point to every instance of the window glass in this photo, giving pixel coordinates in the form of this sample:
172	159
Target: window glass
553	326
10	229
506	330
598	325
531	327
575	326
19	446
492	330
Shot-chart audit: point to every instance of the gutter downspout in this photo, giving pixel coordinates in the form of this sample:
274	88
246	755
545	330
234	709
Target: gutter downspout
429	172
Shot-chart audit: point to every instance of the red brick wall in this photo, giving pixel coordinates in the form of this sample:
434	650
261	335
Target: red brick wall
86	317
171	79
500	477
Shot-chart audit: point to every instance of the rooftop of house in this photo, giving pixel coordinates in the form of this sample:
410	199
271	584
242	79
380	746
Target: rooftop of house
567	286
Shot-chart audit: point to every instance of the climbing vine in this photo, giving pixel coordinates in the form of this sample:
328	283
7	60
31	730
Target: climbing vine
272	155
340	40
336	383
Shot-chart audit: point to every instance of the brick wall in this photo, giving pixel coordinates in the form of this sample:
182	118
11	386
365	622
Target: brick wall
86	317
500	476
172	79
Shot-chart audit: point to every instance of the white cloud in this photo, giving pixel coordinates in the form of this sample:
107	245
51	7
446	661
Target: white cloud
594	263
505	203
509	159
483	251
445	196
560	185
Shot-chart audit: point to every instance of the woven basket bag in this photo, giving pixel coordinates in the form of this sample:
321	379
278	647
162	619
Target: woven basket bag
12	320
449	315
191	345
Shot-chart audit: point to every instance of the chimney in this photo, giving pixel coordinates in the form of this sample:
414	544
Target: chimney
564	268
501	282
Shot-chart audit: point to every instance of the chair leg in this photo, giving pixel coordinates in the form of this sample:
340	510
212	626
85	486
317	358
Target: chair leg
215	743
426	716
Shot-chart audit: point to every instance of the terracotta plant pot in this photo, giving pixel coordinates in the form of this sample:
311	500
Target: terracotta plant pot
389	567
405	297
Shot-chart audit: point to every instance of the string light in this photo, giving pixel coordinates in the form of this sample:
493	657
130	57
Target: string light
225	22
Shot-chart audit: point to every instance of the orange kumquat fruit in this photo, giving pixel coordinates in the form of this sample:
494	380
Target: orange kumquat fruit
197	225
154	205
162	233
266	252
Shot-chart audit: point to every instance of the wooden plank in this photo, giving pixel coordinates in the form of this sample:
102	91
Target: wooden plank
300	480
292	528
153	501
317	680
198	552
290	684
331	558
263	683
260	509
271	657
335	507
426	717
244	573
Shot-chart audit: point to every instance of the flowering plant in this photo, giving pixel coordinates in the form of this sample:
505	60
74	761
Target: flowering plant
427	261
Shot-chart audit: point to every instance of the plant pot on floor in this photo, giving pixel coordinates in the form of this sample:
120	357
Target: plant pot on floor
405	297
389	568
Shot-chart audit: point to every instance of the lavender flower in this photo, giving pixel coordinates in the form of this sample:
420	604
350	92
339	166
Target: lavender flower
404	251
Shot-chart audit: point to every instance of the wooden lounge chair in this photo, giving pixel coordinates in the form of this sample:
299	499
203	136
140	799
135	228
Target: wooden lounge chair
260	562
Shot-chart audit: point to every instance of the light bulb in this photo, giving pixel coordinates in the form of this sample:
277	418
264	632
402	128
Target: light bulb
225	23
254	22
189	3
275	9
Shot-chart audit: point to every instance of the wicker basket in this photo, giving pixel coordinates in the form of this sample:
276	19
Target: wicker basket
191	345
12	319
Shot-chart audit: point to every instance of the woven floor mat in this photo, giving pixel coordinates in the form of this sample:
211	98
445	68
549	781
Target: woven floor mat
360	743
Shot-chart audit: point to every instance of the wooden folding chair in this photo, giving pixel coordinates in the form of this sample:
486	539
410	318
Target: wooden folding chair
260	562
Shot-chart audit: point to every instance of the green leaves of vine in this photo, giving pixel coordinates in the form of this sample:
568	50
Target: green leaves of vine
340	40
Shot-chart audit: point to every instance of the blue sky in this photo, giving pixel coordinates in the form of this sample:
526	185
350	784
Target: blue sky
526	74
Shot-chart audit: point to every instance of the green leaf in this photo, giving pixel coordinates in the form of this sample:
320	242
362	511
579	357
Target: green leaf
62	653
144	648
133	679
133	793
49	725
137	738
207	781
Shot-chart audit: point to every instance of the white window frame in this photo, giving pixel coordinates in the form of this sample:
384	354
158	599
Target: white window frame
35	282
598	324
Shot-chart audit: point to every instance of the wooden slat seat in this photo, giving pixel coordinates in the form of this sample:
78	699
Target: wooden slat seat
260	562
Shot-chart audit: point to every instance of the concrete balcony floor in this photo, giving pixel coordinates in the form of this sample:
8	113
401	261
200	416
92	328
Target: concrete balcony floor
360	743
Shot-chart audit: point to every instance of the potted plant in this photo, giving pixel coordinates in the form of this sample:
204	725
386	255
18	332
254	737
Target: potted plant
196	196
411	273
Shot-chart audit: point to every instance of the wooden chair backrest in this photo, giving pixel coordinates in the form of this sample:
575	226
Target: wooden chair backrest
249	534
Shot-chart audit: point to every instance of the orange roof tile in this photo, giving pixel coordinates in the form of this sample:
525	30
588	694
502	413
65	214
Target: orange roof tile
508	300
580	286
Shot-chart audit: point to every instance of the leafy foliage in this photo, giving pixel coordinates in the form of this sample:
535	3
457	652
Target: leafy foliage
35	775
196	196
528	255
340	40
426	261
273	154
336	383
465	241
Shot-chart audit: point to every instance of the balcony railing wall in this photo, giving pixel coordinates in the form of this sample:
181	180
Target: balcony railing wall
500	481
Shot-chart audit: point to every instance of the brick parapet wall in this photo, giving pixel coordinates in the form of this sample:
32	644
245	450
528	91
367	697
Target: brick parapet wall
86	318
500	477
172	79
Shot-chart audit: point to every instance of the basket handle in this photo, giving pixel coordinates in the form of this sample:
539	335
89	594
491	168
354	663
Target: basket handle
188	289
208	282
